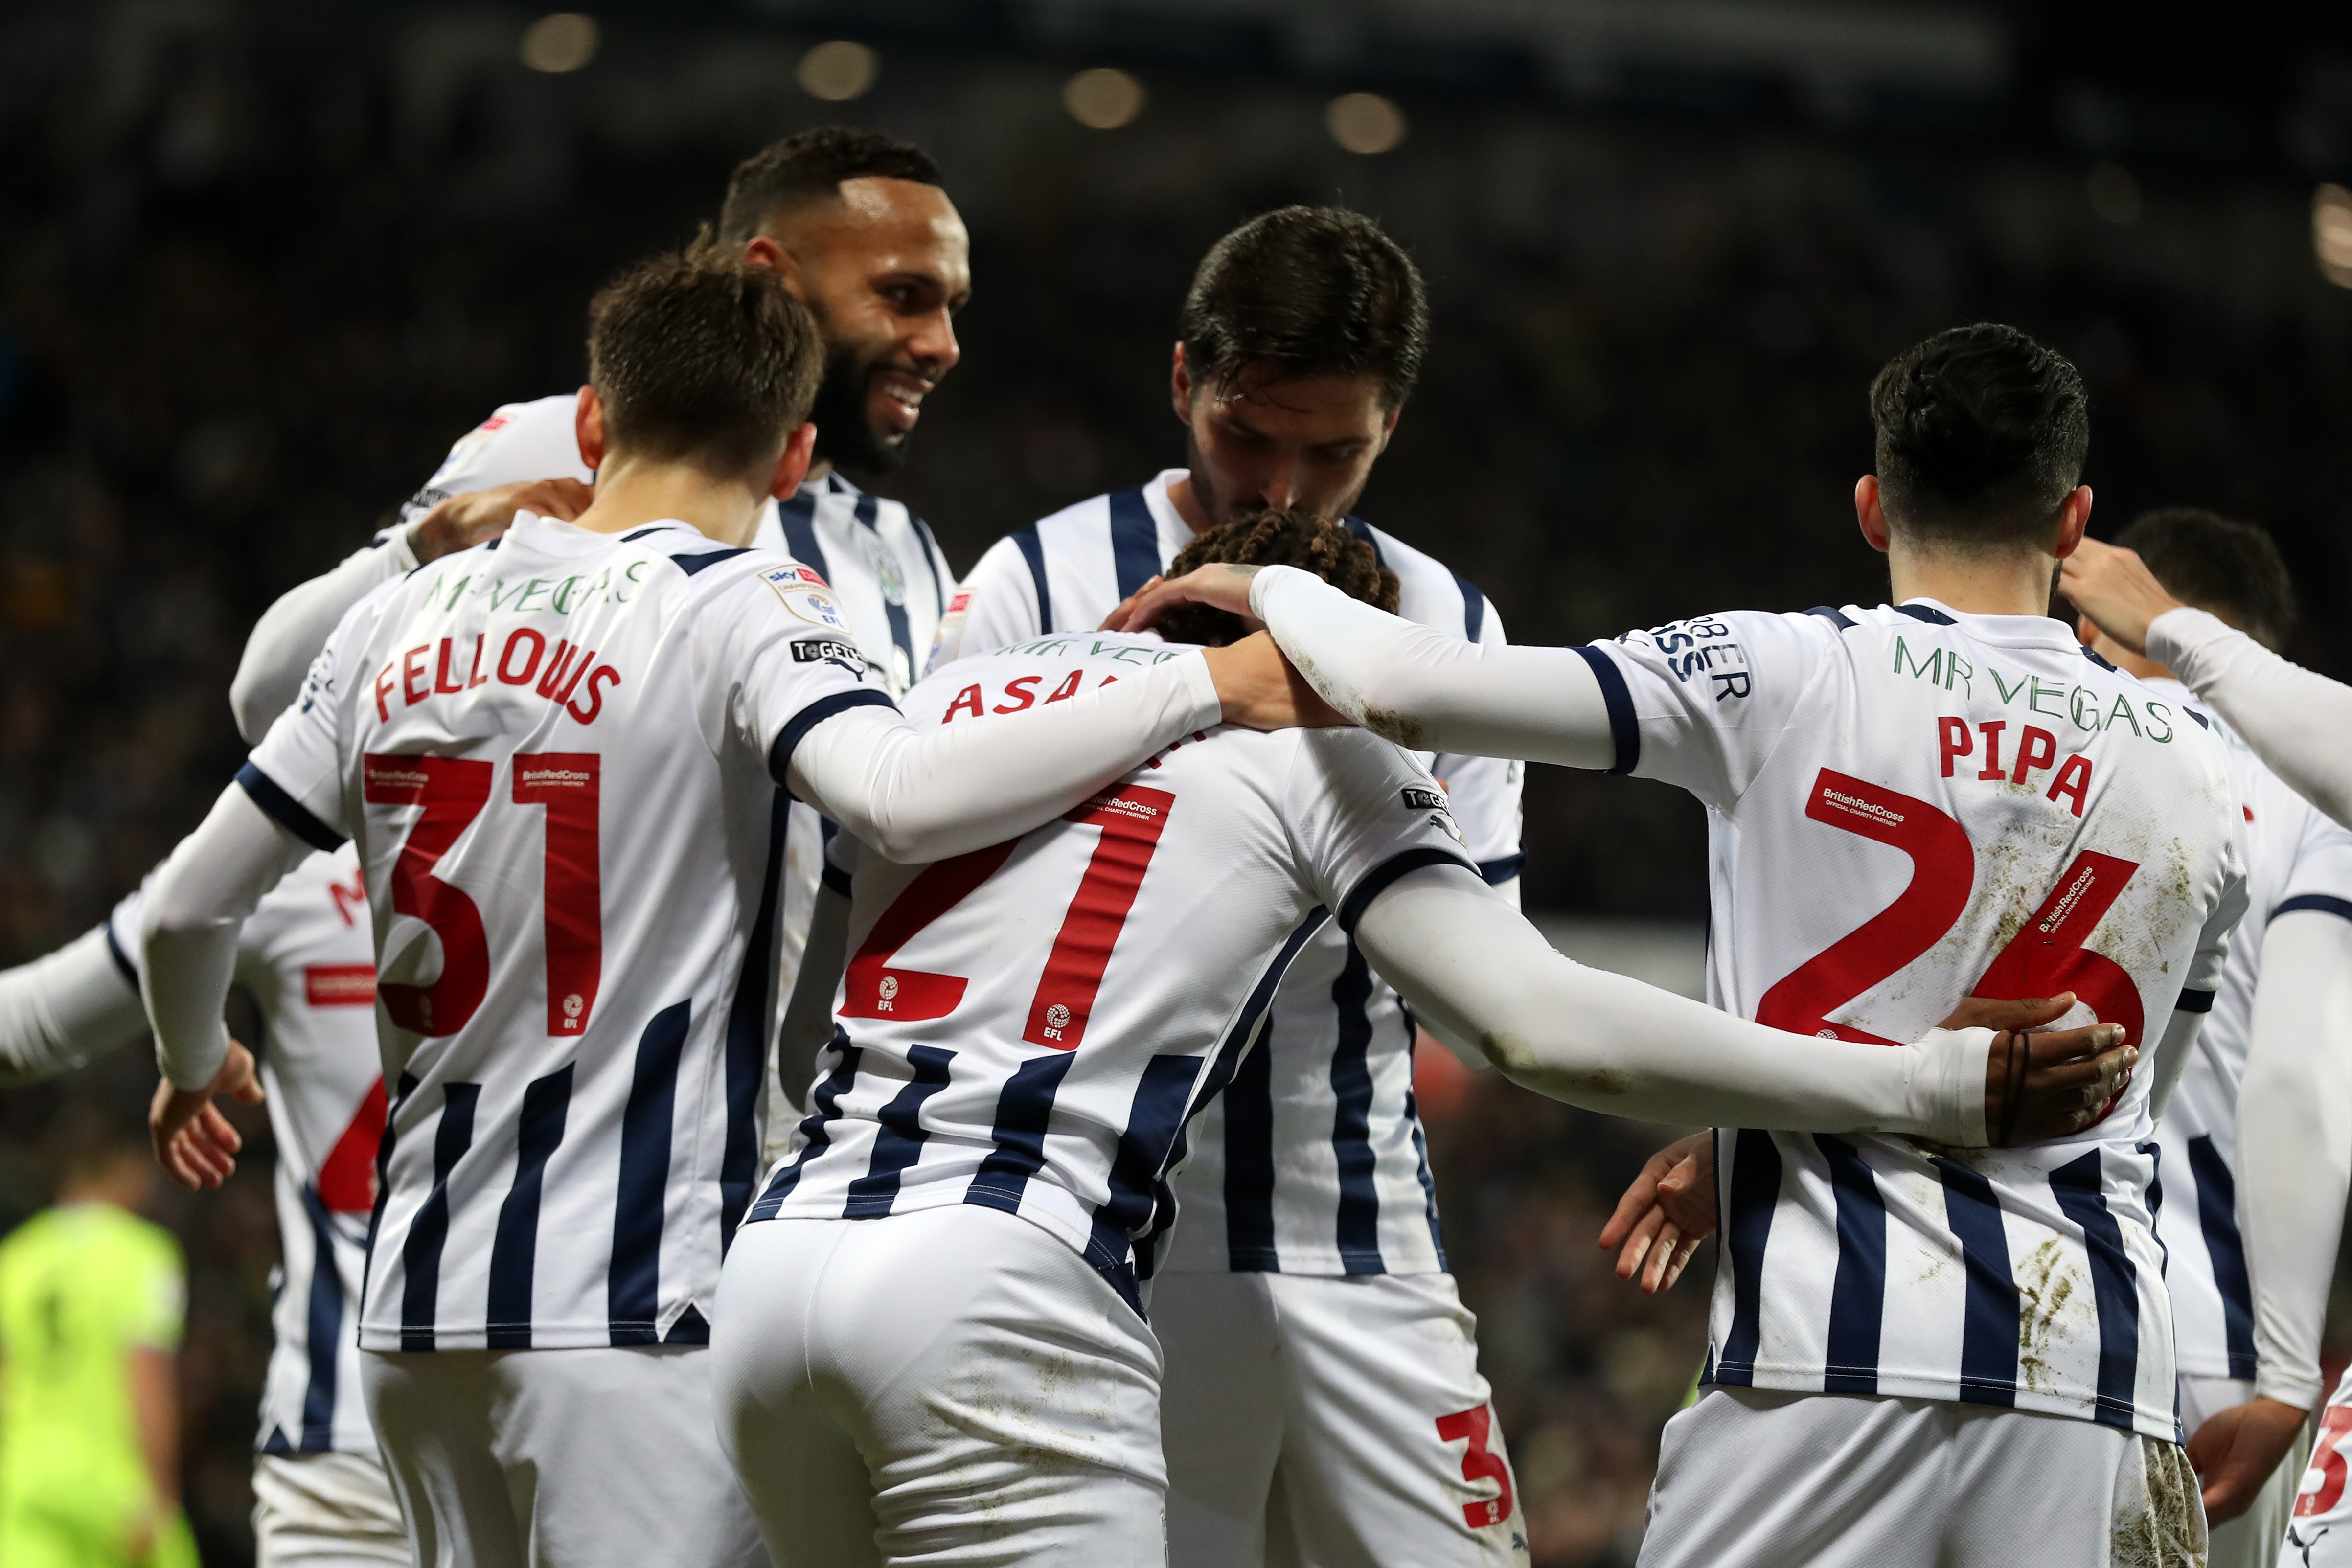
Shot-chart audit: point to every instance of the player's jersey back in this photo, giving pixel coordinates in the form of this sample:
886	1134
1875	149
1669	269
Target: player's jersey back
555	753
1907	807
1313	1161
2295	860
1029	1027
308	955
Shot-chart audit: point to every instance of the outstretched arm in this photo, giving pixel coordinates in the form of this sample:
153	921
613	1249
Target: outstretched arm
1469	963
64	1010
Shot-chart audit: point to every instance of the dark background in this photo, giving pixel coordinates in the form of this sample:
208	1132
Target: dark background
260	263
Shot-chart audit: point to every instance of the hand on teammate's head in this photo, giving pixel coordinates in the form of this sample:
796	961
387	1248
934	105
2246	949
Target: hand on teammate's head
2115	590
1222	586
1261	690
461	522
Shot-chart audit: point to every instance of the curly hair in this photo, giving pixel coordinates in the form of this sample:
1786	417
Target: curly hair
1280	538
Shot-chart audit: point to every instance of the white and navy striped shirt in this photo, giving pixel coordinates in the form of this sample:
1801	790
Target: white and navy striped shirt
575	1020
1313	1161
307	957
1908	805
885	569
2296	859
1029	1027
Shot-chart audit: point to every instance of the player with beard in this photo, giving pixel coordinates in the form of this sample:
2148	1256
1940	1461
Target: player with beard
1323	1397
858	224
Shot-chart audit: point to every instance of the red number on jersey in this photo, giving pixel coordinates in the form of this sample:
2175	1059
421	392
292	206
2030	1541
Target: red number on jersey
2044	957
2327	1462
1131	819
453	790
346	1181
1478	1464
566	783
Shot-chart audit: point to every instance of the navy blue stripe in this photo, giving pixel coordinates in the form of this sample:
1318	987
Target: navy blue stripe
691	1328
1245	1078
2316	900
788	739
1498	872
420	1254
1428	1182
323	1329
798	516
1363	530
1858	1295
514	1250
1155	1118
1988	1328
931	560
834	879
1473	607
902	635
1622	730
1923	613
632	1283
630	538
2202	722
122	959
824	1108
1033	549
1755	1193
290	813
1358	1231
899	1135
2081	1193
690	564
748	1020
1373	883
1134	541
2095	658
402	1091
2193	1002
1025	1107
2217	1217
1834	616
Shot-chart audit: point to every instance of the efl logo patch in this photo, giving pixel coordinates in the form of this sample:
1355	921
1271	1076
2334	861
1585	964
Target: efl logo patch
1419	799
810	650
338	985
804	593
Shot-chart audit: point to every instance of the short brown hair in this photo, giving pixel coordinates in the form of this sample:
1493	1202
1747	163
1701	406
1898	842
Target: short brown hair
811	163
2229	568
1307	291
1982	433
701	358
1283	538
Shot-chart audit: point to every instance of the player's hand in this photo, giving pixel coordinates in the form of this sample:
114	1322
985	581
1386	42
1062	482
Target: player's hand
194	1142
1116	620
2234	1452
2052	1083
1261	690
2114	588
461	522
1665	1215
1221	585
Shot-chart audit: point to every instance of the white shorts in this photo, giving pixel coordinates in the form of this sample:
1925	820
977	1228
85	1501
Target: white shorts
1329	1422
2251	1540
322	1510
947	1385
560	1458
2319	1535
1752	1479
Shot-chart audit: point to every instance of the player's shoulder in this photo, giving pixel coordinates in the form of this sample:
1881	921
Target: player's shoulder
1429	592
1081	522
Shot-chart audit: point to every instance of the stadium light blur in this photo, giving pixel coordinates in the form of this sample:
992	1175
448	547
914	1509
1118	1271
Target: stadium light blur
1103	99
839	71
1365	122
559	42
2114	193
2331	234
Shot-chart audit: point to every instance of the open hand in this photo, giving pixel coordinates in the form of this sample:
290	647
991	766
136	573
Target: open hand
1261	690
2234	1452
2114	587
461	522
1666	1212
194	1142
1219	585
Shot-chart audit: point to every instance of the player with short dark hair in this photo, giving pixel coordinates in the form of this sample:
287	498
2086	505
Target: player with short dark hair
1310	1268
1938	798
565	756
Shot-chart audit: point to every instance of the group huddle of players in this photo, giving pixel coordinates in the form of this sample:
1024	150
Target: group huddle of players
775	1052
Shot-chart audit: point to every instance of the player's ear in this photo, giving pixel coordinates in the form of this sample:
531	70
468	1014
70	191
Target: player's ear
764	250
588	428
1180	388
1867	512
800	451
2074	517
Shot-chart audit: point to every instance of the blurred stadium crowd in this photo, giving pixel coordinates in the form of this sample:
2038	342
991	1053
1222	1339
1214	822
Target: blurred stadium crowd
254	280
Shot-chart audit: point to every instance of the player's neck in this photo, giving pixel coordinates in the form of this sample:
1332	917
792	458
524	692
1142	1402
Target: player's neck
1187	502
632	492
1973	582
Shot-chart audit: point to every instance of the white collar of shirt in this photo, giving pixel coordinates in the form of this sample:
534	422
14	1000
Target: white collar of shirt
2010	631
552	536
1163	506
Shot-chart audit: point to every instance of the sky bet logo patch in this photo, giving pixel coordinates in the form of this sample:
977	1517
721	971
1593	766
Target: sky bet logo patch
1419	799
810	650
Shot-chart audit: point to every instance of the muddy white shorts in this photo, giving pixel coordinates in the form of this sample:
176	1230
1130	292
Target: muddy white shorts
1334	1422
2251	1540
1752	1479
946	1386
559	1458
325	1510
